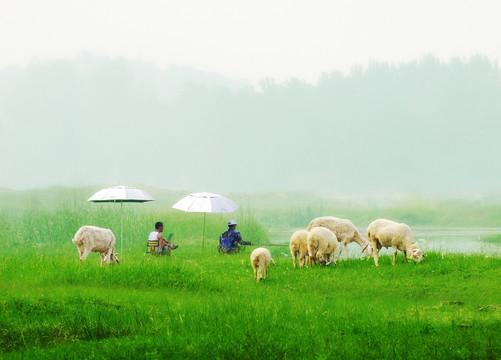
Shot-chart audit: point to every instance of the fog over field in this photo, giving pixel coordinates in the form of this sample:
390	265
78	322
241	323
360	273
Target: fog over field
382	123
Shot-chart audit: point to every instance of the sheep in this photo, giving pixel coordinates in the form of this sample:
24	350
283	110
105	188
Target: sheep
322	244
94	239
260	261
382	232
298	244
345	233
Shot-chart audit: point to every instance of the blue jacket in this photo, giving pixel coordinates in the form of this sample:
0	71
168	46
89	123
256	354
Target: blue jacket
236	238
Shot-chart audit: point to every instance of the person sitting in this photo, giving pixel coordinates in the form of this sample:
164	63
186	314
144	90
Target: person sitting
156	239
230	240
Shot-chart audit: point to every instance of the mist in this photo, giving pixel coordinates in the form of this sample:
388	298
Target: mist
423	127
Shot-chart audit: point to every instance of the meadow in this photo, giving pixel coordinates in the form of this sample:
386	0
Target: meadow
199	304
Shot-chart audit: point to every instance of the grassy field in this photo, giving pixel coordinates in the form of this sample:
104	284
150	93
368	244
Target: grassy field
198	304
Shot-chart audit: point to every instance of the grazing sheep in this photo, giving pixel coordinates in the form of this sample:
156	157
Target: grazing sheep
299	245
345	233
388	233
322	244
94	239
260	261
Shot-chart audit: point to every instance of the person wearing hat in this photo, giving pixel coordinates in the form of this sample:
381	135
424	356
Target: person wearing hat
231	239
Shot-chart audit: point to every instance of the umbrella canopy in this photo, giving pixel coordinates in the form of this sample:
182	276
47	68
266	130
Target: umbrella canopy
205	202
121	194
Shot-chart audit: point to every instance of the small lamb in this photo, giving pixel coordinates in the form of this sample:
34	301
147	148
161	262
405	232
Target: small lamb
299	245
260	261
382	232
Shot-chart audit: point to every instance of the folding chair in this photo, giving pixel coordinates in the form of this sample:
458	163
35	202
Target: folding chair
152	244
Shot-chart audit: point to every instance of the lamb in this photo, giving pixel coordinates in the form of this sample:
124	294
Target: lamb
260	261
94	239
298	245
322	244
388	233
345	232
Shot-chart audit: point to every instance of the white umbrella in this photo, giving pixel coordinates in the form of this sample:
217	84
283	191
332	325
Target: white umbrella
205	202
121	194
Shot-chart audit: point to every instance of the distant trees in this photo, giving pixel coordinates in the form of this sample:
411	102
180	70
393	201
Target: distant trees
423	126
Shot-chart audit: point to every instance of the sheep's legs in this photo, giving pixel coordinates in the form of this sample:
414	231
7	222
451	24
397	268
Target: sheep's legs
259	275
338	253
395	256
405	256
108	256
294	257
375	255
84	255
346	251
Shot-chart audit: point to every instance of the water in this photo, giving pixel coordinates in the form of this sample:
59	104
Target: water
445	240
458	240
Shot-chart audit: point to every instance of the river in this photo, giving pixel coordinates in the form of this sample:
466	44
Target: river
445	240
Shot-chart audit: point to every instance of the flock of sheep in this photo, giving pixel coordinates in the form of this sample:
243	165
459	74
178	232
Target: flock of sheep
325	235
321	243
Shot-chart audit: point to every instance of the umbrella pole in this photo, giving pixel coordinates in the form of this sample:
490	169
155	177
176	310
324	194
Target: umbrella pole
203	232
121	228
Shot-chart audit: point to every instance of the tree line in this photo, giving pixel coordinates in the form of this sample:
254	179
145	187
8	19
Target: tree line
424	126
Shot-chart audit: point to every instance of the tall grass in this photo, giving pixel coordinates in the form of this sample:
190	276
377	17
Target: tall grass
199	304
416	213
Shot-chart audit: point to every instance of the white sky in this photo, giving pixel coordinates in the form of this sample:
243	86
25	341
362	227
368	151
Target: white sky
250	39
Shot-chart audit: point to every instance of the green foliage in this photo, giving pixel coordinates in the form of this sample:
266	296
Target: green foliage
199	304
493	239
414	212
196	304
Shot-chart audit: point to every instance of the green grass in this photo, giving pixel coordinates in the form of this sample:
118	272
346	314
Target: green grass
198	304
493	239
204	305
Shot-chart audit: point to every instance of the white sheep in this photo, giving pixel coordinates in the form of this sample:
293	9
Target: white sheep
260	261
388	233
345	233
299	245
322	244
94	239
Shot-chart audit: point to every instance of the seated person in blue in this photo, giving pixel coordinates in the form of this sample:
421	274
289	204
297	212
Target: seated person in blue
230	240
162	243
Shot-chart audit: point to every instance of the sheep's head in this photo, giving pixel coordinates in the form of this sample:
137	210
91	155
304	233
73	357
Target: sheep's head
367	250
417	255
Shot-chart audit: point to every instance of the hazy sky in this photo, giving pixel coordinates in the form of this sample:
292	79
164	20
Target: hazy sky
250	39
